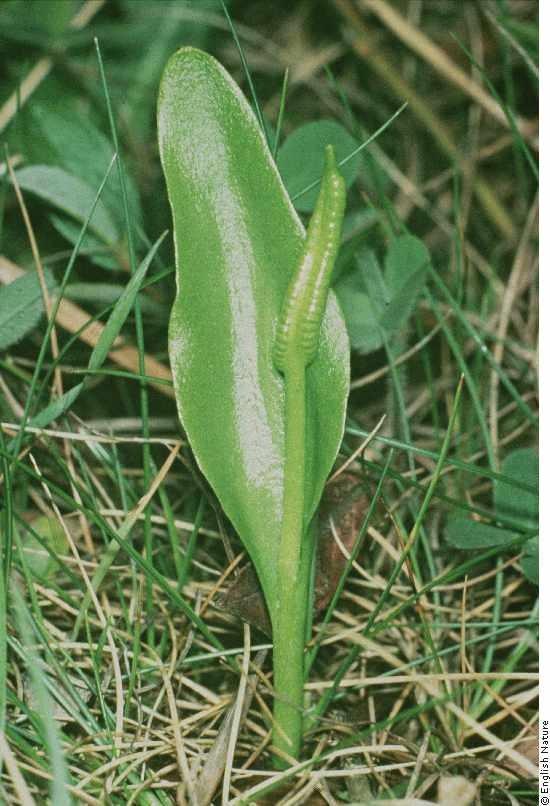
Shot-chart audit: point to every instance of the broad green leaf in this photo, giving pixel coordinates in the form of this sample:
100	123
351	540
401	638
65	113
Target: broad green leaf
57	18
358	221
301	158
376	304
60	138
406	268
103	294
374	281
22	306
363	310
511	502
354	233
69	194
90	246
44	540
24	22
238	240
465	533
530	560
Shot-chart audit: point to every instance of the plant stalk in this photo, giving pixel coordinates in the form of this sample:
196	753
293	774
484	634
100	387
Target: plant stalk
289	627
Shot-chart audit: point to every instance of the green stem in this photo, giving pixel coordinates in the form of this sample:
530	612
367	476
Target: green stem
296	345
289	628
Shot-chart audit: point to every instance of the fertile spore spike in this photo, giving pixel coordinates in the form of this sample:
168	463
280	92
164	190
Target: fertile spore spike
305	301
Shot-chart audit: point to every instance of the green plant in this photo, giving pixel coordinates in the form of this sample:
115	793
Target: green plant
516	509
300	159
250	327
376	303
123	659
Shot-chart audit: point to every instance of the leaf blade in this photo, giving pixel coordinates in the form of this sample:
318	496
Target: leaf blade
22	306
465	533
237	240
69	194
301	158
512	502
121	310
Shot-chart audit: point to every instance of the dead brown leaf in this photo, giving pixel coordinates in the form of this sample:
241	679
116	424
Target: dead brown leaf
345	503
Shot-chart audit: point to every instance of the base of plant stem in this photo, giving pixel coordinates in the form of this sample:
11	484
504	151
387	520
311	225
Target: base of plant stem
289	640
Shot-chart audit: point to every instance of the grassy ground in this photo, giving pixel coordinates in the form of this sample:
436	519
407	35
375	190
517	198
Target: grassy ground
124	670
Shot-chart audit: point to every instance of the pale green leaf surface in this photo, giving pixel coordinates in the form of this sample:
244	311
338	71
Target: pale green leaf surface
512	502
362	310
90	245
530	560
237	240
21	307
103	294
406	268
58	137
376	303
44	540
69	194
57	18
465	533
302	156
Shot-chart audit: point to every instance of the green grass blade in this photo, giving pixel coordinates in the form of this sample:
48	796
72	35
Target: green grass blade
121	309
60	774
